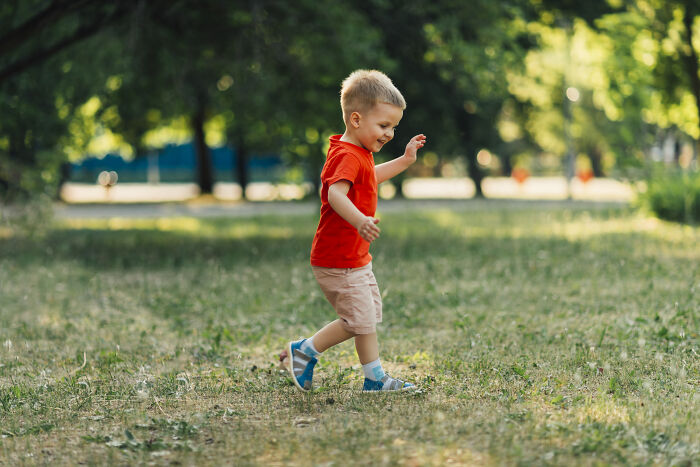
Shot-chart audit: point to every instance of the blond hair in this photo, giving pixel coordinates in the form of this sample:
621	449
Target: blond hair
363	89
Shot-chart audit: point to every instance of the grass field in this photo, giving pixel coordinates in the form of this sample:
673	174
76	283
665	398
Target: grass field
536	335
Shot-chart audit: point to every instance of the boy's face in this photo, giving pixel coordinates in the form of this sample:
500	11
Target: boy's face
374	128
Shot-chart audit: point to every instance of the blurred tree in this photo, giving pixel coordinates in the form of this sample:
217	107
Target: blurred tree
575	79
265	75
474	48
635	71
669	29
311	63
258	67
171	71
43	81
401	28
453	61
276	95
35	31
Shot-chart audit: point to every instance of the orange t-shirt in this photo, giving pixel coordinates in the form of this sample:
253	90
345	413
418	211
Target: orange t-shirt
337	244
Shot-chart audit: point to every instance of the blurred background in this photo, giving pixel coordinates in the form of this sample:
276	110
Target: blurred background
146	101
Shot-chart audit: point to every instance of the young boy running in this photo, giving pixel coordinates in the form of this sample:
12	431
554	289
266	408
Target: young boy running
372	108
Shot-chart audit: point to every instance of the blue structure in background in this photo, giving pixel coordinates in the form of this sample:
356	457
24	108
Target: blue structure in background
177	164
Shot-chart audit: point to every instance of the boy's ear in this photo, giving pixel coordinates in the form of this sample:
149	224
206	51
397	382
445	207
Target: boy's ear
355	118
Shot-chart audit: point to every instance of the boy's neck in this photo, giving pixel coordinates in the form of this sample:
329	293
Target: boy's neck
348	137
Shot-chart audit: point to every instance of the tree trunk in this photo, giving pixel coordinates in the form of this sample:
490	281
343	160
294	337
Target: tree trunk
507	165
595	156
475	173
242	165
464	128
19	157
677	153
64	176
398	184
692	61
4	187
205	176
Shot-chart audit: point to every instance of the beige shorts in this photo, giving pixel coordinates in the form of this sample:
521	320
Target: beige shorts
354	295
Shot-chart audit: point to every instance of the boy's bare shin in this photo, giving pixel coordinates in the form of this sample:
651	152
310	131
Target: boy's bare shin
367	347
331	334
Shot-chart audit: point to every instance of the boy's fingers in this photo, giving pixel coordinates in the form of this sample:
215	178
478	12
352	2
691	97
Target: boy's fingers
369	231
369	237
369	228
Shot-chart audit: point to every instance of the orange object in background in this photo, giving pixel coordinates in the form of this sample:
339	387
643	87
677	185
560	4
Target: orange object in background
520	175
585	175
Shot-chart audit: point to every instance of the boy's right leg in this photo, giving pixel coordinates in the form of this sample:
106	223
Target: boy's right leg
376	380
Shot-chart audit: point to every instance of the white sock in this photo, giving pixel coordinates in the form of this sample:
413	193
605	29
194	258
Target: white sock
373	370
308	347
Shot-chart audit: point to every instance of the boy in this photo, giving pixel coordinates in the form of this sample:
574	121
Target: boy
372	108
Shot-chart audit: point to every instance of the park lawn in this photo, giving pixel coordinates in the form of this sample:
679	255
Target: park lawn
537	335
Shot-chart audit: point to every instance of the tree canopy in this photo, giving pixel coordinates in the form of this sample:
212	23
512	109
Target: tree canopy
83	77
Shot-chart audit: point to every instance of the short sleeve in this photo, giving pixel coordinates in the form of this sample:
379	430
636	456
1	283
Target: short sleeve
343	166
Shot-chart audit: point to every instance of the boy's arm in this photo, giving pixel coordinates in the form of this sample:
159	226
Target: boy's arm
394	167
339	201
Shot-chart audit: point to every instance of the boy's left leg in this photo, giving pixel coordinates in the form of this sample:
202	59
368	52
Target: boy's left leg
300	365
302	354
331	334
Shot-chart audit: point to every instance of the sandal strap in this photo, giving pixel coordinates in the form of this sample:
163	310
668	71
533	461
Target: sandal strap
391	384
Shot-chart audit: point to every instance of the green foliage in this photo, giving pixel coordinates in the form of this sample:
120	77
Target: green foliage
674	195
39	106
264	77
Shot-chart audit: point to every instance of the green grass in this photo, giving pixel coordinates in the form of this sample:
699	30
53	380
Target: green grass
537	336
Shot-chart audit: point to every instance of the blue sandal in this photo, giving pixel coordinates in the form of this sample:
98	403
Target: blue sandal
300	366
386	384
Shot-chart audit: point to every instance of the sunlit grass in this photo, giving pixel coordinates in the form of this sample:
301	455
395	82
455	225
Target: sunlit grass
537	336
244	228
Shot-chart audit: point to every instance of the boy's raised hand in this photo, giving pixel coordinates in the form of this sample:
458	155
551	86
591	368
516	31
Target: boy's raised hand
413	146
